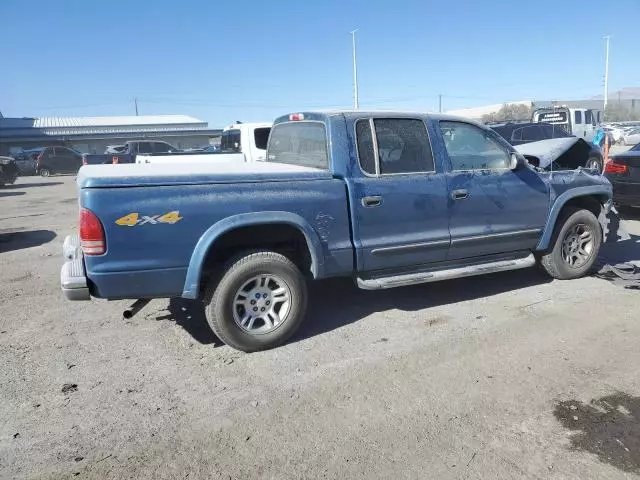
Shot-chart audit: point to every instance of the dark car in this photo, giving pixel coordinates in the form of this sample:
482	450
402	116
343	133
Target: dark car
520	133
623	171
8	171
58	160
27	160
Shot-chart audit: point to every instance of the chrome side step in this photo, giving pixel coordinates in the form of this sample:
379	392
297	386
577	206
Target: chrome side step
449	274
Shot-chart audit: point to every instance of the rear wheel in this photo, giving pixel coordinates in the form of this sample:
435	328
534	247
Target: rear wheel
576	242
44	172
258	302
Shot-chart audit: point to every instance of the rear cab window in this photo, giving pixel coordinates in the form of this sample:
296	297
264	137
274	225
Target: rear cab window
261	137
230	141
302	143
388	146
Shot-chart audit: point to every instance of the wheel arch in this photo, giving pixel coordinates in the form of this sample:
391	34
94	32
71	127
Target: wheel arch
197	263
592	198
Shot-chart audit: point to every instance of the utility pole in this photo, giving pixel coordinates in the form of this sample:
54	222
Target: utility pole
355	70
135	101
440	103
606	73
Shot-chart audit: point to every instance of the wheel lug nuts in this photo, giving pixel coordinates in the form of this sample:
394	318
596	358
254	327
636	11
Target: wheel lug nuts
262	309
253	302
264	296
268	302
257	295
255	309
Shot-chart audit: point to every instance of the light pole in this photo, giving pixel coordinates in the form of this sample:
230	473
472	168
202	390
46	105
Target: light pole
355	69
606	73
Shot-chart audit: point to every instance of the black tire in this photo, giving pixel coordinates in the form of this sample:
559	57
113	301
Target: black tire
221	294
595	163
44	172
553	261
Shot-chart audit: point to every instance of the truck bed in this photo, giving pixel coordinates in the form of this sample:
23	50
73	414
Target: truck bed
137	175
204	200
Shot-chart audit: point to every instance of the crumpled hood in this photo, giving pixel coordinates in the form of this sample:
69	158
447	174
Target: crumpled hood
569	152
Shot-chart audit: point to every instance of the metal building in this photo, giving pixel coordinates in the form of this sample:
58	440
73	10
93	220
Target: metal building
93	134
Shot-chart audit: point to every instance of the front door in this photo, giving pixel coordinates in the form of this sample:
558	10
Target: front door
399	199
492	209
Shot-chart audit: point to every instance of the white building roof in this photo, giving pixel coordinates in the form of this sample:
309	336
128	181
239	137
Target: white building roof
117	121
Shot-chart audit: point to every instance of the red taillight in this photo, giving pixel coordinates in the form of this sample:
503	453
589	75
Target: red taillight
614	167
91	233
296	117
39	157
84	160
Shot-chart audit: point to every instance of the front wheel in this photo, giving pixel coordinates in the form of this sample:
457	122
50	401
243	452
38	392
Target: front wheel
576	242
595	163
258	303
45	172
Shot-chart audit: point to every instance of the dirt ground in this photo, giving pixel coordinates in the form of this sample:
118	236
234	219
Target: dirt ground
507	376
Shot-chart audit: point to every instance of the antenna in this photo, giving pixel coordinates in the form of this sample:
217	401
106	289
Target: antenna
355	69
606	72
135	101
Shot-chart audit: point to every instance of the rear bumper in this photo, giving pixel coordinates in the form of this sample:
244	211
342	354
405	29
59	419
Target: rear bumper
73	279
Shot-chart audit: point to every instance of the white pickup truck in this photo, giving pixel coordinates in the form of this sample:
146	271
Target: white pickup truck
239	143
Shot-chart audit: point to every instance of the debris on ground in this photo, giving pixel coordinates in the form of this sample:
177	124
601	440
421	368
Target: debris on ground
69	387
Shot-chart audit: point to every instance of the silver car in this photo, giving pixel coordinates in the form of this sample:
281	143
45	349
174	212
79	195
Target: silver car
633	137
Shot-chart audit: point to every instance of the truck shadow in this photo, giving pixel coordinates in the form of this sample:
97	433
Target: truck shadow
11	194
338	302
619	246
26	239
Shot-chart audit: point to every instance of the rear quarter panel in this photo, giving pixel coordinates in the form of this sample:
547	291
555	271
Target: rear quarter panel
150	259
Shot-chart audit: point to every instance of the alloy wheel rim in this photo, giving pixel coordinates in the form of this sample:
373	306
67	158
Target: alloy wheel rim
262	304
577	246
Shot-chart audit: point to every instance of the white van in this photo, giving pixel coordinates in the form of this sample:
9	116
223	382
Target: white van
240	142
581	122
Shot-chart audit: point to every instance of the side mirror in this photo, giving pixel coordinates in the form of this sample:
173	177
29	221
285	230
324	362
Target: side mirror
517	162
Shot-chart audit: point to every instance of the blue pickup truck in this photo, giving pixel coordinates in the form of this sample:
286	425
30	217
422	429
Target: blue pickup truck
388	199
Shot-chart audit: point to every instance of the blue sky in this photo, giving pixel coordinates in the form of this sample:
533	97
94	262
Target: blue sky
253	60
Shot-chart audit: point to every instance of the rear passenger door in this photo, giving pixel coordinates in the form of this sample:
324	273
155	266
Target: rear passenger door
399	197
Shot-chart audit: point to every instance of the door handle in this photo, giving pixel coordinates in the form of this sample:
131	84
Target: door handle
459	194
372	201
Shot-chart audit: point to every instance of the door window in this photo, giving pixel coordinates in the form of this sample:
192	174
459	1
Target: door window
578	116
144	147
472	148
516	136
261	137
534	133
402	146
161	147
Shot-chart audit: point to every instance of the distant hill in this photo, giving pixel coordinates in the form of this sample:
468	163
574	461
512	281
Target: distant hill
627	93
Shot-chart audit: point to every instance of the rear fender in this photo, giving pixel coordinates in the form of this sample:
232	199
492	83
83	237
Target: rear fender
196	264
561	201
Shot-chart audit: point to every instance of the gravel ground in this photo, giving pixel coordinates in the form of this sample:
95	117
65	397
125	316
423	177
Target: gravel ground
506	376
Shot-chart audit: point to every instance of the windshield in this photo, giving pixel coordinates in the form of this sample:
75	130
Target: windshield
299	143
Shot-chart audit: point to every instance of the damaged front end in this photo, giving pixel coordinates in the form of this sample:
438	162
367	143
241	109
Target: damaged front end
567	153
